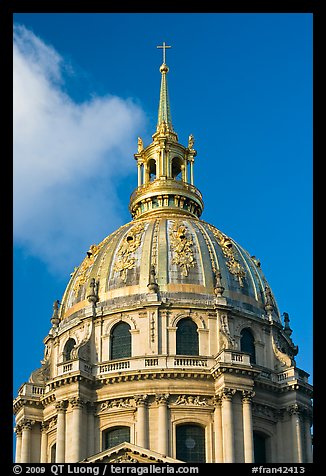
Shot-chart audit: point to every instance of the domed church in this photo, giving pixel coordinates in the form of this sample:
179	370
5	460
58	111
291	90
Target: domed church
168	345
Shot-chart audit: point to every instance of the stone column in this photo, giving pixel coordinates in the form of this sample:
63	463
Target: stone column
227	425
44	443
77	451
145	174
90	428
18	431
308	442
248	437
142	424
192	171
25	455
163	444
139	165
294	411
218	434
61	431
184	172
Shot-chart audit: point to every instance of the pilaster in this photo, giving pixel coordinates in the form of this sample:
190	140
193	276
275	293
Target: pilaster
91	412
218	432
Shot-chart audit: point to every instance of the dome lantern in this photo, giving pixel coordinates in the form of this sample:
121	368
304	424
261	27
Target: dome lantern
165	167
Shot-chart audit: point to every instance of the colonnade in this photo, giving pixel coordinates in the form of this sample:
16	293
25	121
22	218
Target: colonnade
143	171
224	428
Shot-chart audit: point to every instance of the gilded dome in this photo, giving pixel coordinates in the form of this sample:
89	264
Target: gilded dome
167	253
177	258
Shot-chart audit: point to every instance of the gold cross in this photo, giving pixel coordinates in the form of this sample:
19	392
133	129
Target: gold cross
164	46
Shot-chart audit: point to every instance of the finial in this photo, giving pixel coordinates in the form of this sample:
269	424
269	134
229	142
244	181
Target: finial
269	301
287	329
219	289
55	315
152	285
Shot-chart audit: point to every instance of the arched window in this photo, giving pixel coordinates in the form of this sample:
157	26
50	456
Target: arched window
151	168
177	168
70	344
259	447
190	440
120	341
187	338
247	344
116	435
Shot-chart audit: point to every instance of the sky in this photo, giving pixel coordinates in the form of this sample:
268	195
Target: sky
87	85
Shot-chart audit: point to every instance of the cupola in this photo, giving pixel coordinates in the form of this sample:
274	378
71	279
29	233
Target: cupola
165	167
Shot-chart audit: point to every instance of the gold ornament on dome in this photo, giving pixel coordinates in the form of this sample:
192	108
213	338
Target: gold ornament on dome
85	267
126	259
230	253
181	245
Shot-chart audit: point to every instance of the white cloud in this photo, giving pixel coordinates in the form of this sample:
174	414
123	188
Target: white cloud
67	157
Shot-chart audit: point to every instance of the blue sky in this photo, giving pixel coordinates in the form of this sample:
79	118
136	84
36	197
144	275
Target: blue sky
87	85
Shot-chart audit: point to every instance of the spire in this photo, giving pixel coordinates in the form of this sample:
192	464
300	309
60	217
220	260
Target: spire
164	114
165	167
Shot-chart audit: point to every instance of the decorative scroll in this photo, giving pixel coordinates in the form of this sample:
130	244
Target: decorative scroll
126	259
230	253
181	245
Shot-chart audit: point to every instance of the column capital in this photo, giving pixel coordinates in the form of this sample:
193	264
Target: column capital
44	426
217	400
27	424
162	399
18	429
294	409
76	402
141	400
247	396
227	393
61	406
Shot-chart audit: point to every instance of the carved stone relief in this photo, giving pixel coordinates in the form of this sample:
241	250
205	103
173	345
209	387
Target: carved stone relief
126	252
181	245
229	251
191	400
117	403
